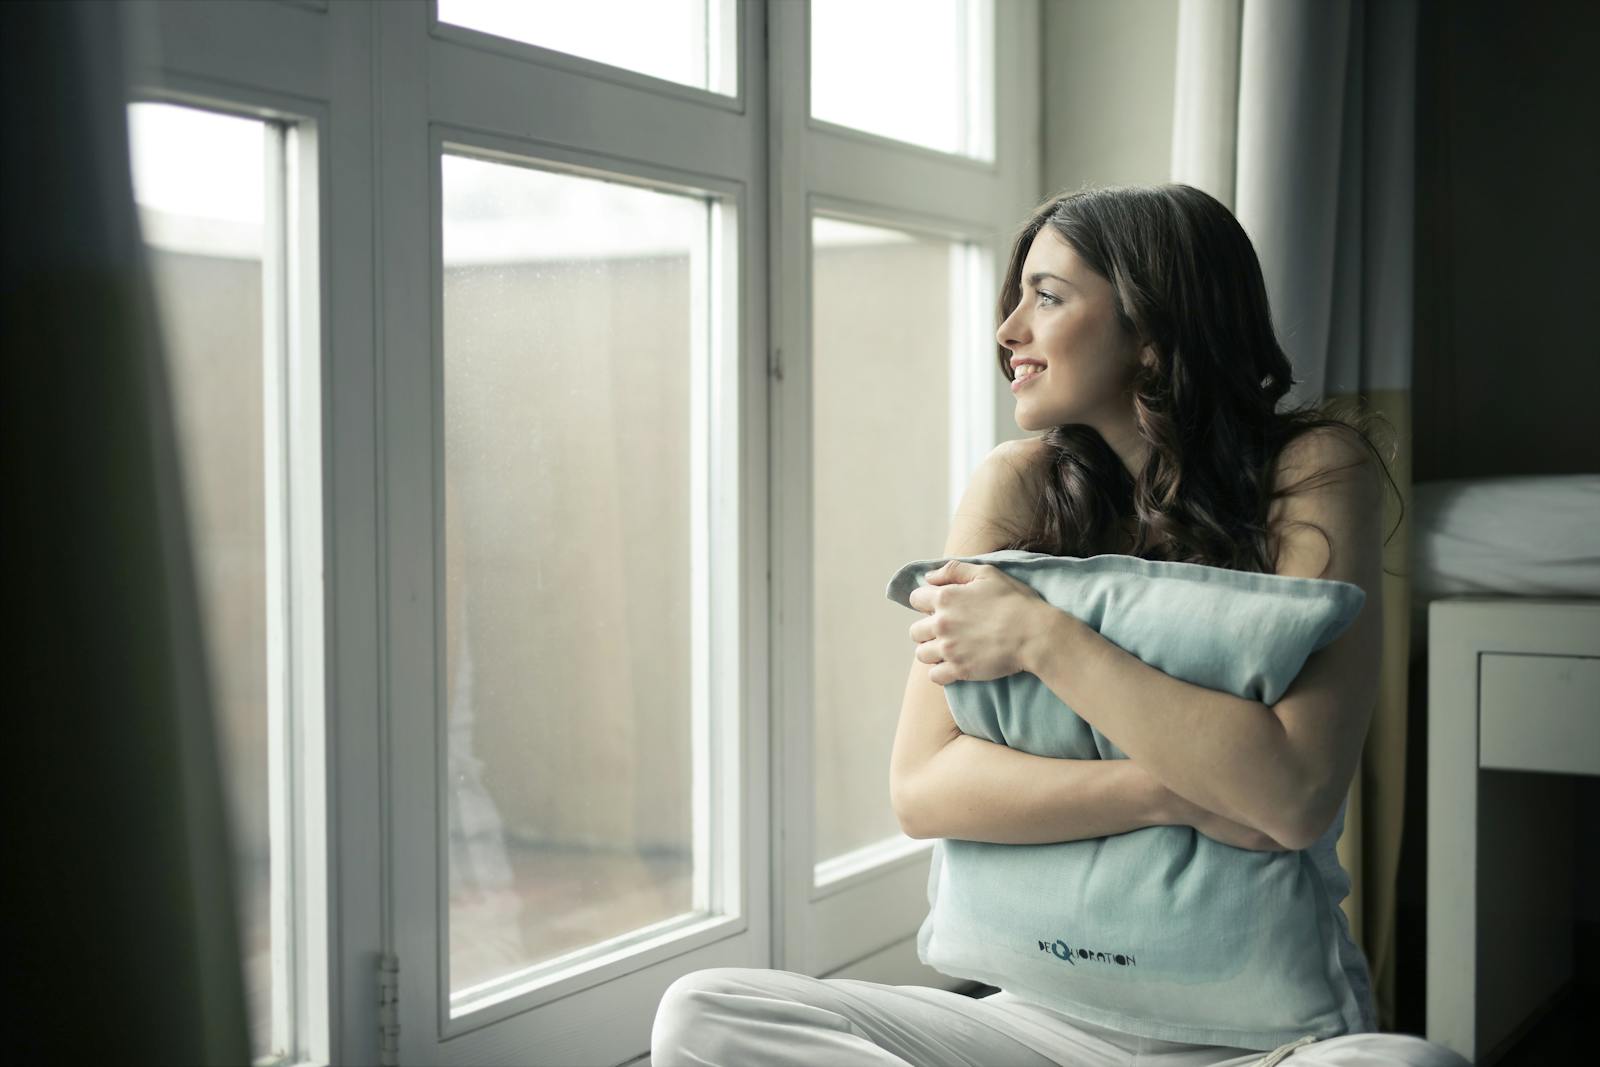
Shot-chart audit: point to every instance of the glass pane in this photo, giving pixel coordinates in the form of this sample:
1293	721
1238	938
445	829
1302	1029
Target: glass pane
574	321
881	335
199	184
686	41
920	71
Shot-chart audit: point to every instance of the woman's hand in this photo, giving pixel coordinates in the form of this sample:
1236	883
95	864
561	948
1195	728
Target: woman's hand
1182	812
979	618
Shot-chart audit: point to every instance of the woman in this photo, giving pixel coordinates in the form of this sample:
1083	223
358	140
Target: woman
1141	318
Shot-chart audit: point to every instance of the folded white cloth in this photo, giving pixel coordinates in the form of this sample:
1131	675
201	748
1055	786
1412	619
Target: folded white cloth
1531	535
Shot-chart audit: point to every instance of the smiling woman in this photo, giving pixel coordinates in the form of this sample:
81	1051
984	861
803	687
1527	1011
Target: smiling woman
1161	377
1071	358
1157	383
1160	389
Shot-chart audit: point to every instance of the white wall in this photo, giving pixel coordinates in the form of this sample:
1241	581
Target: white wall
1108	84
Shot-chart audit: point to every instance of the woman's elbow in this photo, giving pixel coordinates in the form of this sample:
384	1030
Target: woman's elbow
914	768
1308	830
906	809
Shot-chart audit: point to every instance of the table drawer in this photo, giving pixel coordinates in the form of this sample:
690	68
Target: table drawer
1539	713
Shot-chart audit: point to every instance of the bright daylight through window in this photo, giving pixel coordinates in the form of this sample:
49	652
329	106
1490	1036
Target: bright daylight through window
685	41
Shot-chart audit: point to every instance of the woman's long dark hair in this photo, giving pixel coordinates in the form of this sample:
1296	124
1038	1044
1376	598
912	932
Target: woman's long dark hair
1184	279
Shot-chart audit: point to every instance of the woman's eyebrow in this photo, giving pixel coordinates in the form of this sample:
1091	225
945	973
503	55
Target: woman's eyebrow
1033	279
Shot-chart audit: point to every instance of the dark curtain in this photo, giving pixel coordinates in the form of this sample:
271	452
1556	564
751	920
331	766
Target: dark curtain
121	933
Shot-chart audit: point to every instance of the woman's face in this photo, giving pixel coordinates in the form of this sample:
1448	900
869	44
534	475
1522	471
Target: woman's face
1066	321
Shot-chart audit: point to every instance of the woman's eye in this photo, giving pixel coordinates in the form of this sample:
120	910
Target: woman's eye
1048	296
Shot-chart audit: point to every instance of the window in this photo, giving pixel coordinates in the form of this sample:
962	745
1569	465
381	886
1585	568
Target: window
577	344
685	41
560	385
216	216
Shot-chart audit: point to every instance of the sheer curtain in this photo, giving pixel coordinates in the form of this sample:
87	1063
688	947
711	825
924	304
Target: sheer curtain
122	937
1299	115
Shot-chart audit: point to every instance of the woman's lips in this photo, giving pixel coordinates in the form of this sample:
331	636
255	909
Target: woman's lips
1022	382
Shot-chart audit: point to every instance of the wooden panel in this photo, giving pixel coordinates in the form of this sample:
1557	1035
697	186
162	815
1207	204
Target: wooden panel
1539	713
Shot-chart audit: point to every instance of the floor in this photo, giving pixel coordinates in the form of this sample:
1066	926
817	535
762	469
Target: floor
1554	1039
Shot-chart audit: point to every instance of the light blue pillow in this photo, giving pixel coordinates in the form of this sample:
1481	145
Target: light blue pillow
1161	932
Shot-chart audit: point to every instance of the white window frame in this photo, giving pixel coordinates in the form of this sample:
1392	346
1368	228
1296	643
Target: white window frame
446	86
293	458
375	90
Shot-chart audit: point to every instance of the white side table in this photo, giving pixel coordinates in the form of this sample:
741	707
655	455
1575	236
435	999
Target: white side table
1513	714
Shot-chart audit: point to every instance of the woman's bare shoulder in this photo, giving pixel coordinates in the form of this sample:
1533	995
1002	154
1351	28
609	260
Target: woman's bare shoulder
1328	505
1322	450
1000	499
1026	462
1026	455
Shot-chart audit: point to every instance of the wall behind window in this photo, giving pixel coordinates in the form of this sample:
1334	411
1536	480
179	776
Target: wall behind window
595	609
210	309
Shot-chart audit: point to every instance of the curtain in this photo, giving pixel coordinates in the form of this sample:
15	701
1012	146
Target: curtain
121	932
1299	115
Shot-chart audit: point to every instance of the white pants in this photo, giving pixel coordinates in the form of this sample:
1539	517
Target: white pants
753	1017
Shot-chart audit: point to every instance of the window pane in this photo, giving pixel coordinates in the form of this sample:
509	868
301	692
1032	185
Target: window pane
686	41
199	184
574	355
881	337
920	71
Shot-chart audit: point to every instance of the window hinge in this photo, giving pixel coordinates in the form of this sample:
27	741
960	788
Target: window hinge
388	1010
776	369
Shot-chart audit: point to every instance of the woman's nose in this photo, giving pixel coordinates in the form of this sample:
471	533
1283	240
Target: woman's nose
1013	331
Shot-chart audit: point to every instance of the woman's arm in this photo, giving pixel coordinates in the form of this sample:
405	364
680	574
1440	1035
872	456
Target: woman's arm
971	789
944	783
975	790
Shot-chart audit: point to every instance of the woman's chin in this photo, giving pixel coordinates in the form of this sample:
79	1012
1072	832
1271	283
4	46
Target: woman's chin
1028	419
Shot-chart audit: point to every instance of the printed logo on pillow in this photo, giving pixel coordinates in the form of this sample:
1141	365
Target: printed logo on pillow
1066	953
